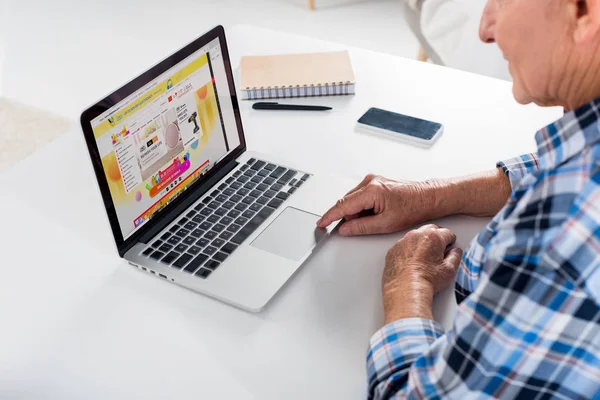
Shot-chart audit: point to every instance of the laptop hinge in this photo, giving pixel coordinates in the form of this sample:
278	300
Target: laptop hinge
166	219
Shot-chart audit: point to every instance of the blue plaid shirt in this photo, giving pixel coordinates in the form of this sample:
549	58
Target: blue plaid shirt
528	320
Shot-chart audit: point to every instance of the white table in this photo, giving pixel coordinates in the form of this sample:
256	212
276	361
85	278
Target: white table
78	322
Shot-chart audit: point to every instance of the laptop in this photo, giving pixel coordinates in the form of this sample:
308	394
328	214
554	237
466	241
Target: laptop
186	201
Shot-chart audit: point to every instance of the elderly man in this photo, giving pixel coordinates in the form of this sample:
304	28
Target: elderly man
527	325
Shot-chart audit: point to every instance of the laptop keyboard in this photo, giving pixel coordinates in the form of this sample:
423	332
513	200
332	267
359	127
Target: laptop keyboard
210	231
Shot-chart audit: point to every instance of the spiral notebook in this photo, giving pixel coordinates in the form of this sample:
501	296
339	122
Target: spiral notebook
297	75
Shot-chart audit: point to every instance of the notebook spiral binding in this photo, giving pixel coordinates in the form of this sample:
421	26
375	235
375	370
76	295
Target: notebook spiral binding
328	89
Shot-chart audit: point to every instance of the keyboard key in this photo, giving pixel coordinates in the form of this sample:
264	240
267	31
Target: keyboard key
169	258
189	240
270	167
194	250
275	203
256	179
237	173
210	250
182	232
157	244
207	200
283	195
229	180
300	182
205	225
157	255
165	248
255	193
222	186
248	200
278	172
228	205
174	228
243	192
199	207
182	221
229	248
212	264
214	204
262	187
250	173
287	176
236	197
292	190
250	185
293	182
218	228
220	257
196	263
263	172
197	233
252	225
206	212
226	220
269	181
270	193
263	200
258	165
198	219
222	198
221	211
244	167
202	242
236	185
233	228
215	193
181	248
241	206
233	213
165	236
226	235
213	218
248	214
148	251
210	235
277	187
305	177
191	214
217	243
256	207
174	240
203	273
243	179
241	220
181	261
251	161
190	226
228	191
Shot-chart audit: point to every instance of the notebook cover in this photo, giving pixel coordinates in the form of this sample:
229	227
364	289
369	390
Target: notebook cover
296	70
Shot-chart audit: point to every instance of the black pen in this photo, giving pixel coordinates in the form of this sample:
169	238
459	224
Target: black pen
291	107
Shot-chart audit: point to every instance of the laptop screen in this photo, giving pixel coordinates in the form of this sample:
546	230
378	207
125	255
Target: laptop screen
157	142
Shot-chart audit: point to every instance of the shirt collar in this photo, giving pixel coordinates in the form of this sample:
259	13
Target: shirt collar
569	136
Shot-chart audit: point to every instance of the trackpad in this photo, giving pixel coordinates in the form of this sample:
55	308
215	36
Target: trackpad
291	235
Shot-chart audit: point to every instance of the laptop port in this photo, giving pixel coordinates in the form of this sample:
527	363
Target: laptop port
162	276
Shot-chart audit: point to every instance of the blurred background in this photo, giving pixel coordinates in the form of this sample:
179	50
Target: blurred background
56	57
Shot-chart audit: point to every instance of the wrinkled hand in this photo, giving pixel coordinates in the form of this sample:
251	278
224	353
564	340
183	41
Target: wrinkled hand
421	257
380	205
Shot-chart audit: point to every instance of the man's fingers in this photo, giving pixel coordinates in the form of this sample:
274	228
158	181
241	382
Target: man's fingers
453	257
448	237
362	184
349	205
362	226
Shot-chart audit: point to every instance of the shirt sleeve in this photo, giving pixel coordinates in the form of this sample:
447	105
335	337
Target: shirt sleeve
516	168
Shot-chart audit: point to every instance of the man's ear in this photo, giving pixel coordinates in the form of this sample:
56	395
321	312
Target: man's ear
587	24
